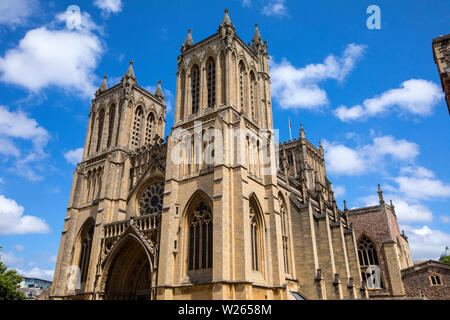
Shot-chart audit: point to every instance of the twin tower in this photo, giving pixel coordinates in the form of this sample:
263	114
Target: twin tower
213	212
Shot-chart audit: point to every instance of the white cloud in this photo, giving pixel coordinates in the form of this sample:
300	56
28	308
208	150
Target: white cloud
422	188
44	274
109	6
74	156
12	220
338	191
444	219
362	159
406	211
15	13
426	243
414	96
62	58
17	127
246	3
19	247
274	8
10	259
297	88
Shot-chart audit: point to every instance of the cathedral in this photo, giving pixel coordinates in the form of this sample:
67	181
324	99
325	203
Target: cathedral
218	209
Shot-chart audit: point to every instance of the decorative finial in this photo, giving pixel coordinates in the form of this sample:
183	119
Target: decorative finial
105	76
131	62
380	195
345	205
226	10
158	92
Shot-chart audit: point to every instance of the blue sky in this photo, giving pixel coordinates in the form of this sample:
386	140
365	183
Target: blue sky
373	98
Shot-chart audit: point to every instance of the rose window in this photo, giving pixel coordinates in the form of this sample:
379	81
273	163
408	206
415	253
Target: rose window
151	200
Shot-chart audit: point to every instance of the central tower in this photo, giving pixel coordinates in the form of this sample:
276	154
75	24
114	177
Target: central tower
221	229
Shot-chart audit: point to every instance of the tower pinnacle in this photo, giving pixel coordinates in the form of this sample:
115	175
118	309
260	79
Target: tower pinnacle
189	42
158	92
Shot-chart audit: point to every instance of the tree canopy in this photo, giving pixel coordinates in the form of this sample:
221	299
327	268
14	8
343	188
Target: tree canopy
9	283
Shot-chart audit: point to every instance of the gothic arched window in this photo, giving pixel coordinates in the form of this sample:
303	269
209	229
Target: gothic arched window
242	85
368	261
101	119
255	229
223	76
112	111
149	127
151	200
284	234
211	78
183	93
200	237
138	117
195	88
85	251
253	95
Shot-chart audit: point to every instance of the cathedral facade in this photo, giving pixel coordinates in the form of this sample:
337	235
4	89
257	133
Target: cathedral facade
218	210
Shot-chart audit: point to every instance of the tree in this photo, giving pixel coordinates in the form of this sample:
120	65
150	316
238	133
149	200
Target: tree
446	259
9	282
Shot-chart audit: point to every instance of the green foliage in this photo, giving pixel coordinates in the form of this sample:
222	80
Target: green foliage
9	282
446	259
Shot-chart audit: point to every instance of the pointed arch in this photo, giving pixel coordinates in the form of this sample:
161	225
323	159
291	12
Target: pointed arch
138	121
127	270
195	88
112	114
369	261
101	120
84	244
242	85
211	81
198	218
253	95
256	233
150	125
182	93
223	78
285	233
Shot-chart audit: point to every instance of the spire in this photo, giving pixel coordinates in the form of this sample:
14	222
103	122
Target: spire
226	29
257	37
188	42
380	195
103	86
345	205
226	19
130	71
158	92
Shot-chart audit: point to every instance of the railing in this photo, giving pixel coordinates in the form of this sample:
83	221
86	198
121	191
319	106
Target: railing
144	223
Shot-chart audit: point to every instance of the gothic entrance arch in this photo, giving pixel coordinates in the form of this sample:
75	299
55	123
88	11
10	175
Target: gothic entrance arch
128	273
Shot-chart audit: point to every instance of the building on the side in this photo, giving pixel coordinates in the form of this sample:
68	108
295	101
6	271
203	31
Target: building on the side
383	251
32	288
428	280
441	54
218	210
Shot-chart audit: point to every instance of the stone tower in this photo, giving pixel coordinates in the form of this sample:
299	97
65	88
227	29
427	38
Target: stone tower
125	125
441	54
223	125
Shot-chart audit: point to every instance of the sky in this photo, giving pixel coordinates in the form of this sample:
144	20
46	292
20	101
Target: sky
371	96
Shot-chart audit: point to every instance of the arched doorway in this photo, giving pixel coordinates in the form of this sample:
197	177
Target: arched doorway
129	275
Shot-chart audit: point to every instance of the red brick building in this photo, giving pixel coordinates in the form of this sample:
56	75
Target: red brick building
380	244
427	280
